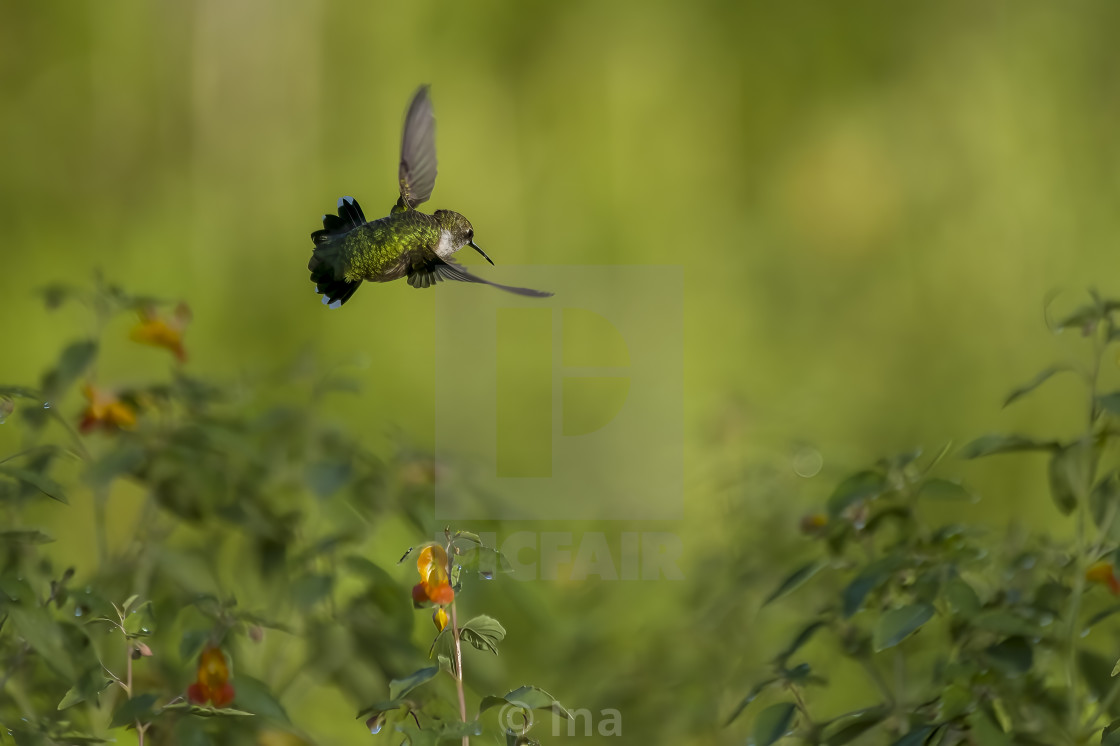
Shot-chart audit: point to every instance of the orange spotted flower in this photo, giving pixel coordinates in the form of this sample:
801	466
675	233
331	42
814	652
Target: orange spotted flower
105	409
1103	572
212	684
161	331
434	585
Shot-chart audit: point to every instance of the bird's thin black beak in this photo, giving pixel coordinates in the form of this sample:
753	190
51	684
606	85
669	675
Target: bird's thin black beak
474	246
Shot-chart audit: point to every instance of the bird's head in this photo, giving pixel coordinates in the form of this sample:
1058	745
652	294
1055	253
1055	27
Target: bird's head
460	230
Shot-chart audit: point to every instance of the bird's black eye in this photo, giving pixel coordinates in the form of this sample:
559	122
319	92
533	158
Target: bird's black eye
470	235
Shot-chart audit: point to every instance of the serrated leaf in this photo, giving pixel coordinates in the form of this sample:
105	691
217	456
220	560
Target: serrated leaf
1034	383
137	708
989	445
794	580
400	687
773	723
40	482
528	698
898	624
864	485
483	632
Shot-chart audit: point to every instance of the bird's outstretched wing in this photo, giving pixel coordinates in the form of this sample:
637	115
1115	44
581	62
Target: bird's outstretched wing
425	269
417	173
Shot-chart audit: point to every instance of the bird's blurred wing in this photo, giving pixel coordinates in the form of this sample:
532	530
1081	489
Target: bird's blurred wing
425	269
417	172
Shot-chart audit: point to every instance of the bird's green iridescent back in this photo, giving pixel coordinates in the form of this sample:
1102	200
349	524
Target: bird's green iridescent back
374	251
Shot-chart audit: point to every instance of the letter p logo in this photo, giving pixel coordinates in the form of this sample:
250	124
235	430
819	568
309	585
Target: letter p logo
566	408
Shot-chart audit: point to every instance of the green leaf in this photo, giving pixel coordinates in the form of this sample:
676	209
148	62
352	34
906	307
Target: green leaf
1069	468
773	723
1080	318
1104	504
1005	622
944	489
794	580
1110	736
962	598
1097	673
1013	657
916	737
751	696
311	589
72	364
41	482
400	687
988	445
898	624
1110	402
1034	383
137	708
254	696
384	706
870	578
483	632
27	536
850	726
485	561
328	477
191	643
1100	616
864	485
40	630
90	684
985	732
802	637
121	461
527	698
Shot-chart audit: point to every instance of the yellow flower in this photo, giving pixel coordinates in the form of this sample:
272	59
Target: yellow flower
1103	572
439	618
434	583
105	409
212	682
160	331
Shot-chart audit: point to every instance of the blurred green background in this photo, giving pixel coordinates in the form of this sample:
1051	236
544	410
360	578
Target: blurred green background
871	204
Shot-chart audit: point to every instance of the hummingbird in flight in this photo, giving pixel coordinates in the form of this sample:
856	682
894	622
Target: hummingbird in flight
406	242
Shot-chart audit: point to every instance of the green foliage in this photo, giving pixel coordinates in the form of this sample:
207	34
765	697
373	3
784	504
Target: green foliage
965	639
245	572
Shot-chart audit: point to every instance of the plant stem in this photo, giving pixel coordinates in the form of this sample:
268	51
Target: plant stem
1081	550
459	669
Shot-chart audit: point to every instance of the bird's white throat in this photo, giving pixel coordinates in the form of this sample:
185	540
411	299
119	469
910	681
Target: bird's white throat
445	248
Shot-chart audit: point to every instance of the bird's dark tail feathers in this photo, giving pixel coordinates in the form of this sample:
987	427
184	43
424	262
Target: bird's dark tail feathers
326	265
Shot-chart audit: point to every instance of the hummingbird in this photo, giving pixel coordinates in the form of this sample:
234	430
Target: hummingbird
406	242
